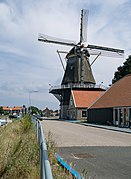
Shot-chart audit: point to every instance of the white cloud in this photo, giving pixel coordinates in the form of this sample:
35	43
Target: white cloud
27	64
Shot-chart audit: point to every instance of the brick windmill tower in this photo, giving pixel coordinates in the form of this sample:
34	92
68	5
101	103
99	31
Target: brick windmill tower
78	73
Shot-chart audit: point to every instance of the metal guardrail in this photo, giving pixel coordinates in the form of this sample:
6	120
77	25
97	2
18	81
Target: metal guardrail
45	168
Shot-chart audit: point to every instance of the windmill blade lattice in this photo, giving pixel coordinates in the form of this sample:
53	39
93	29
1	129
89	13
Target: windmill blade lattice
83	25
49	39
105	51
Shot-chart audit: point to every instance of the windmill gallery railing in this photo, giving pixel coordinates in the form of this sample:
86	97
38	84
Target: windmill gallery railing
78	85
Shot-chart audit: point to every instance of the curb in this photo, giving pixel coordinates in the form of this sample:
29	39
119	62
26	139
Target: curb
104	127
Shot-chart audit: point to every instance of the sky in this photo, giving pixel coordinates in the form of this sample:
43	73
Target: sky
27	65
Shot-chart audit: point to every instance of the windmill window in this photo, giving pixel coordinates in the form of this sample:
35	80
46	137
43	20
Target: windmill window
71	67
84	113
71	102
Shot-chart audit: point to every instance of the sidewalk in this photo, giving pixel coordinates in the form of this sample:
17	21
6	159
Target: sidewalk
119	129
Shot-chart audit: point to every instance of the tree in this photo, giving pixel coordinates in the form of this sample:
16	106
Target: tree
1	110
34	110
123	70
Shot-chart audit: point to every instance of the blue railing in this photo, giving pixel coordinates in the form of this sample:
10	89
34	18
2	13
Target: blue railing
67	167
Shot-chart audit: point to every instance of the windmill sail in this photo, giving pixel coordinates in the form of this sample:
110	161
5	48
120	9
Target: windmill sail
49	39
83	25
105	51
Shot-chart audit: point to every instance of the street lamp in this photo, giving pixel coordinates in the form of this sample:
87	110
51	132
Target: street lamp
35	91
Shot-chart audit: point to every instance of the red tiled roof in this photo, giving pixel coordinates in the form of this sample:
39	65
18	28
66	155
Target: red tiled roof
16	108
117	96
84	99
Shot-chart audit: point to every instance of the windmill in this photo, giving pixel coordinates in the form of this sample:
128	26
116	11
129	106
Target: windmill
78	72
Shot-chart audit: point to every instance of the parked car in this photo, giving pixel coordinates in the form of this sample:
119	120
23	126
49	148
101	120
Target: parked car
13	116
3	122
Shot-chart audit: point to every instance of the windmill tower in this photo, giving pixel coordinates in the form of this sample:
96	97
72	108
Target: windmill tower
78	73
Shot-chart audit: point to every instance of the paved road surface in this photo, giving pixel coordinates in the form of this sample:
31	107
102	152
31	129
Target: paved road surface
103	153
69	134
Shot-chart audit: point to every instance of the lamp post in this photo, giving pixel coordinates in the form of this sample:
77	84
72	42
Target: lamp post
34	91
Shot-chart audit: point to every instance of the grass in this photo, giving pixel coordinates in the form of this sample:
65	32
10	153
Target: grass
57	170
19	152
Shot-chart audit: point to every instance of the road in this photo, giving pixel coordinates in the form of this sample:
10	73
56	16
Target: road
104	154
68	134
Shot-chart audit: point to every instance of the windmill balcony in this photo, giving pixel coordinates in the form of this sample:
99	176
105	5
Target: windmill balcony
79	85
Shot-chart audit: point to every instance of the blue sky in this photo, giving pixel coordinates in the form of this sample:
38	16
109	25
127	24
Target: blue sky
28	65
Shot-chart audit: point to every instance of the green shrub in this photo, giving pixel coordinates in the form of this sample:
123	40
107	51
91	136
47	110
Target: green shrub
27	123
